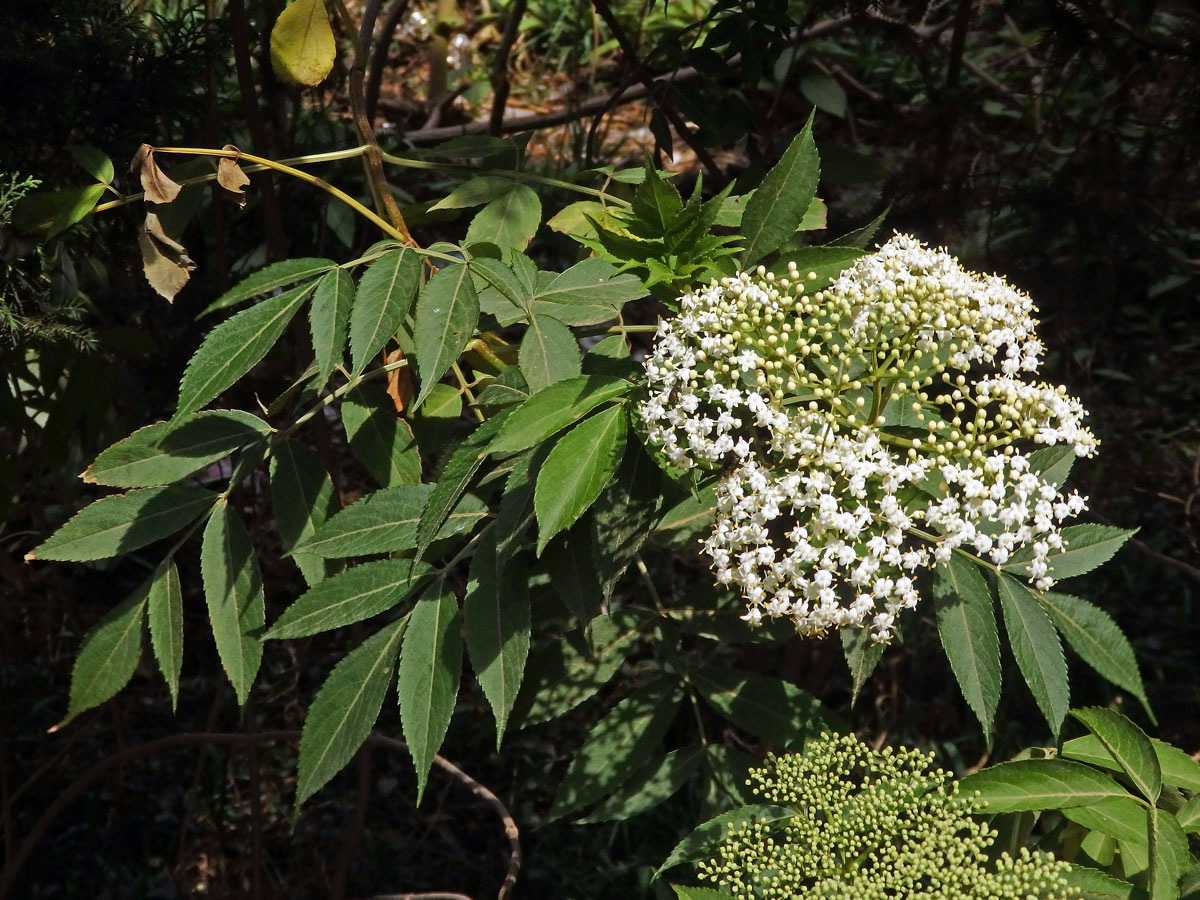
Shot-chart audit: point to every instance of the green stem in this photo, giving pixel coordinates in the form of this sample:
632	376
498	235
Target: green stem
384	226
339	392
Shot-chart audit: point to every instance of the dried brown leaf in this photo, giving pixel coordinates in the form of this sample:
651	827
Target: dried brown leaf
231	177
158	187
164	260
399	381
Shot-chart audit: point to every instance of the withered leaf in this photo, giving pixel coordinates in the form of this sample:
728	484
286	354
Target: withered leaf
231	177
399	381
158	187
164	260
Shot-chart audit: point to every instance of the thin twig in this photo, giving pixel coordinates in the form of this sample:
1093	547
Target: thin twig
379	57
500	82
673	116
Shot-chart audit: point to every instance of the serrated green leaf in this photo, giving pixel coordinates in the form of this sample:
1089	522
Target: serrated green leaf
1035	784
386	522
95	162
688	892
385	296
565	673
651	785
1098	640
234	593
345	709
554	408
157	454
1178	769
350	596
456	476
623	516
108	655
617	746
1169	855
770	708
702	843
1093	884
265	280
497	620
586	290
165	605
447	313
549	353
779	203
1086	547
510	220
327	320
1128	746
428	674
302	498
1121	818
507	389
572	570
115	525
967	627
824	263
656	204
577	470
1053	463
1038	650
381	441
862	656
232	348
1189	816
474	191
514	294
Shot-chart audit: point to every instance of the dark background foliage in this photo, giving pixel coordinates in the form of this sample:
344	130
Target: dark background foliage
1053	142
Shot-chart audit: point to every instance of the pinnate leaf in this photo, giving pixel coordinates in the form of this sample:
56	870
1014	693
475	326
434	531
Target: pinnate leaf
234	593
447	313
385	522
497	624
165	603
385	296
617	745
770	708
1098	640
327	319
1035	784
554	408
1038	650
509	220
267	279
350	596
114	525
967	627
577	470
779	203
379	439
428	675
655	782
158	454
1086	547
108	656
1128	745
549	353
232	348
302	498
345	709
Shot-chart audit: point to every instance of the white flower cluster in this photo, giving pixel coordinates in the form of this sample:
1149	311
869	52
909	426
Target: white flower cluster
866	431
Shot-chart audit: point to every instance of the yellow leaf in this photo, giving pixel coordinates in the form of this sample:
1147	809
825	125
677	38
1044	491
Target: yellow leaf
302	44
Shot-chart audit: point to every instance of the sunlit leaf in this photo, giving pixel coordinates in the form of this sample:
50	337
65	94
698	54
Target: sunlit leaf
967	627
428	675
234	593
385	296
302	44
328	317
779	203
447	312
344	711
1038	650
